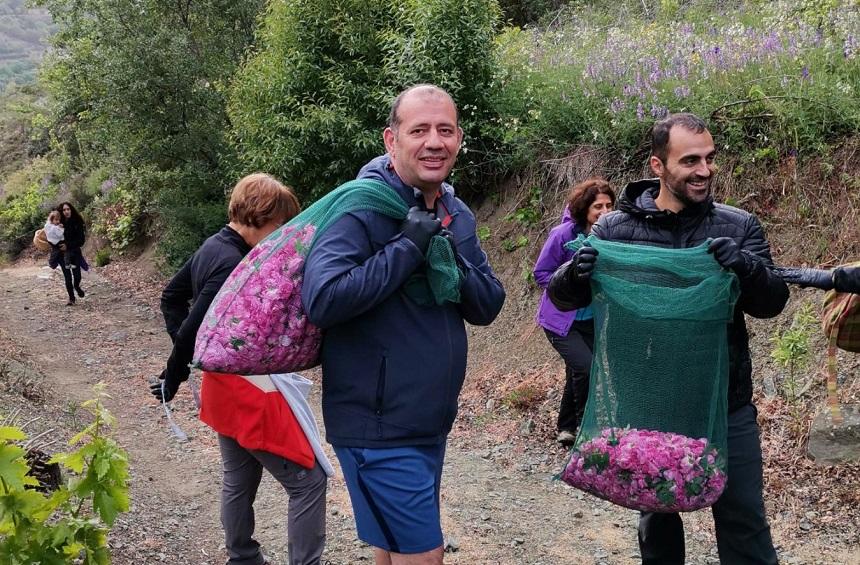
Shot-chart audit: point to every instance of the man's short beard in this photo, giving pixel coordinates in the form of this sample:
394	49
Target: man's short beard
682	196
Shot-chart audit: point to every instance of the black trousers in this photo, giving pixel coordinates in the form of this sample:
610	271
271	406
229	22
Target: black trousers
743	534
576	350
72	276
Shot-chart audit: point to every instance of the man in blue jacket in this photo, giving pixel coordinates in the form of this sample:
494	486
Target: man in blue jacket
393	367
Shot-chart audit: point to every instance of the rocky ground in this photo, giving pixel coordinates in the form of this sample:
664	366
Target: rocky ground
500	502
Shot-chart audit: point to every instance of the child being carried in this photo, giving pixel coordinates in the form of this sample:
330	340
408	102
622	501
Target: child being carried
55	234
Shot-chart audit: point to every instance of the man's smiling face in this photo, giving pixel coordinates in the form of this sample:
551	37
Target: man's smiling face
687	174
424	145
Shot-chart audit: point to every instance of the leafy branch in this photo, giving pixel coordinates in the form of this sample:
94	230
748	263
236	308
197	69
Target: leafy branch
72	523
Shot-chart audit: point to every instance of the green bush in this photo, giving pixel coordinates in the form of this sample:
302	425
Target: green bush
30	195
310	104
190	210
102	257
523	397
122	209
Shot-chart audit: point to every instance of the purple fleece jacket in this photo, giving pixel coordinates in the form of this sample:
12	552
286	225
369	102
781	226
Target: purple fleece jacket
552	256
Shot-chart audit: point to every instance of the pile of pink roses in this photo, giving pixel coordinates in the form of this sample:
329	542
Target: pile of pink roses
648	470
256	325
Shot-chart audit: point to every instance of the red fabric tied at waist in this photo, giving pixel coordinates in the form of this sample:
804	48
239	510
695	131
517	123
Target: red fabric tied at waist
252	411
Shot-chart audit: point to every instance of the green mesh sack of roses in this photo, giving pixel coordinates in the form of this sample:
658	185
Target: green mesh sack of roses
653	435
256	324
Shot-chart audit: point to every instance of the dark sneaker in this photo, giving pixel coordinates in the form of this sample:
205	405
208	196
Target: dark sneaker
565	438
71	302
81	292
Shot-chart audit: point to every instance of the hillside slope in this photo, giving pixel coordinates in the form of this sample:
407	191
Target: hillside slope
23	32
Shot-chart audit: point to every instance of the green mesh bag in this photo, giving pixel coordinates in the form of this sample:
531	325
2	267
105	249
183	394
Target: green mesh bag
256	324
653	435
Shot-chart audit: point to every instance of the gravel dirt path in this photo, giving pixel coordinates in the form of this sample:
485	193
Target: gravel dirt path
500	502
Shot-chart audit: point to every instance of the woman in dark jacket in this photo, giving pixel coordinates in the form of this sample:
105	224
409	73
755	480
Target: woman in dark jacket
259	204
75	236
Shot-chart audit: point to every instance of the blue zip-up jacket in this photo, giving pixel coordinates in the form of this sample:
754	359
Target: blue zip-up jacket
392	369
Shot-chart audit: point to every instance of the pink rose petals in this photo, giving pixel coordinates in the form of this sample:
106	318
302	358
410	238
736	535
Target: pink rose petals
257	325
648	470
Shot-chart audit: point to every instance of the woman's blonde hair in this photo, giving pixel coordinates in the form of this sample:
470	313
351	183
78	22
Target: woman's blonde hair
258	199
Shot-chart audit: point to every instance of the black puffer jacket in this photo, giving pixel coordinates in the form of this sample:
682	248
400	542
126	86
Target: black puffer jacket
639	221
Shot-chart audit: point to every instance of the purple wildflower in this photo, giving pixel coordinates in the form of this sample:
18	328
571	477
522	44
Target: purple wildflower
682	91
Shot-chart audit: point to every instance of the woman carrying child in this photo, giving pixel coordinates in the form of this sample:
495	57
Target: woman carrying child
73	259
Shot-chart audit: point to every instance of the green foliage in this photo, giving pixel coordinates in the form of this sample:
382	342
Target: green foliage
71	524
22	138
30	193
792	349
123	204
529	214
102	257
528	275
523	397
512	244
309	105
484	233
189	213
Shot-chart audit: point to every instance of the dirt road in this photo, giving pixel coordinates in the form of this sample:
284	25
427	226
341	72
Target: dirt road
500	504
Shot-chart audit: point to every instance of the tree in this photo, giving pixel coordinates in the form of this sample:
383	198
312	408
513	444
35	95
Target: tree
140	89
310	103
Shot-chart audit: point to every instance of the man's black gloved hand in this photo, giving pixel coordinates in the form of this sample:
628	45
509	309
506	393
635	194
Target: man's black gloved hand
817	278
847	279
729	255
582	264
171	385
419	226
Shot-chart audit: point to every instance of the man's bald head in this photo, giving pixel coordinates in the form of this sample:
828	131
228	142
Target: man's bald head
422	91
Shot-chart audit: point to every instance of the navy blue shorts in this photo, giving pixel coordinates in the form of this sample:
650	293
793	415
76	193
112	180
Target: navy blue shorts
395	495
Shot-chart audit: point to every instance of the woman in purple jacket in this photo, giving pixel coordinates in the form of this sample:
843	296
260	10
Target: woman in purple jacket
571	333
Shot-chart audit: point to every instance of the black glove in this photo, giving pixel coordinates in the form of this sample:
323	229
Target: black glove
582	264
817	278
419	226
847	279
729	255
171	385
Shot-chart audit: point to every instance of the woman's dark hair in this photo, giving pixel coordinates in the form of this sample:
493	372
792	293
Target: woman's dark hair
76	216
583	195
